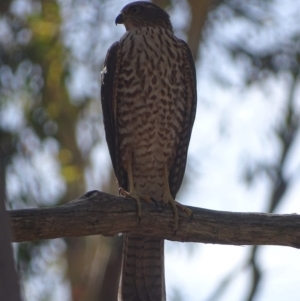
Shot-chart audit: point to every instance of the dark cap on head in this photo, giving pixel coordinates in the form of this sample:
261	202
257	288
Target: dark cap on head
142	13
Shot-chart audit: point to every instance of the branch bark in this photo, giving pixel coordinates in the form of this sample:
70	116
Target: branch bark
100	213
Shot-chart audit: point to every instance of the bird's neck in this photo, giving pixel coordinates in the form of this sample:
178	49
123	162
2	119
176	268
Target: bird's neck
149	29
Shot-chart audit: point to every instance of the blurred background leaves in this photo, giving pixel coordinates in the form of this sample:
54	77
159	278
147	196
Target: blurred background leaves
243	154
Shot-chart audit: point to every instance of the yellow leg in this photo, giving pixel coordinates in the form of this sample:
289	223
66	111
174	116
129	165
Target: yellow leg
132	193
168	199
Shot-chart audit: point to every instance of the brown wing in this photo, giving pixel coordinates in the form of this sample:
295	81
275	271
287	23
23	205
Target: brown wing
109	118
178	167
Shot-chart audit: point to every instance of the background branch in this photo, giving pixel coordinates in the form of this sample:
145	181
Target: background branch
100	213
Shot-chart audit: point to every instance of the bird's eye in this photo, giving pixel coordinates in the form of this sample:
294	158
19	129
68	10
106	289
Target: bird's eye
136	9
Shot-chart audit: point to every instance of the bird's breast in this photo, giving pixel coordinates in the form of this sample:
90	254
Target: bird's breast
149	98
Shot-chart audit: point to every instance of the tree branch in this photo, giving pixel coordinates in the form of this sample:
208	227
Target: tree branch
100	213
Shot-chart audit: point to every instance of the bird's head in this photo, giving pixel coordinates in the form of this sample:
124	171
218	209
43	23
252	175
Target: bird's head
143	14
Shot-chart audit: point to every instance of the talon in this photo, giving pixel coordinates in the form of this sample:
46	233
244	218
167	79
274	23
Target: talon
172	202
123	192
188	211
138	203
137	198
175	206
134	196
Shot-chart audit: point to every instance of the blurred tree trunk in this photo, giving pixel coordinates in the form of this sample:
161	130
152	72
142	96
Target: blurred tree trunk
199	13
9	286
57	105
86	256
9	281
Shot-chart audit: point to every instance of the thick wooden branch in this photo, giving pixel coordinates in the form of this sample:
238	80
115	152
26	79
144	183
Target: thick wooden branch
100	213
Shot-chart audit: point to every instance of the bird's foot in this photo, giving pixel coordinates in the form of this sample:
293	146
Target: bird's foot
137	198
168	199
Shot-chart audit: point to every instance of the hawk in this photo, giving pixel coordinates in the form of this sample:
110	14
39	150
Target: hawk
148	96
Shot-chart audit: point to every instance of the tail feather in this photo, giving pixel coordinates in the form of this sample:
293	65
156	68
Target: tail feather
143	269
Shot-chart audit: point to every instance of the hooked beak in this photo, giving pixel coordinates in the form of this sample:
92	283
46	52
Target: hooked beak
119	19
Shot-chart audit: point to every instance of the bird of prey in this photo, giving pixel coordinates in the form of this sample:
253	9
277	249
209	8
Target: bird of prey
148	96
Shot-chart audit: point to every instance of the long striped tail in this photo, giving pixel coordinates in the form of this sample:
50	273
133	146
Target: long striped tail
143	276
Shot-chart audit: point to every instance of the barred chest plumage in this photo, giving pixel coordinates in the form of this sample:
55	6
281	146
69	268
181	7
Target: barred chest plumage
150	104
